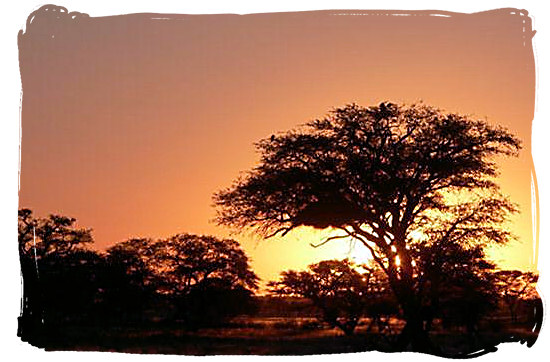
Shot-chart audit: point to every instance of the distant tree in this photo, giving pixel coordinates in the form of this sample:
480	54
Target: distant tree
43	241
336	287
465	298
132	257
213	301
54	234
515	286
126	288
184	260
71	286
448	268
380	175
189	268
381	304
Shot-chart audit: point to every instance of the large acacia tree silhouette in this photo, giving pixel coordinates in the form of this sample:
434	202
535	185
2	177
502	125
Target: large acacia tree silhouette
382	175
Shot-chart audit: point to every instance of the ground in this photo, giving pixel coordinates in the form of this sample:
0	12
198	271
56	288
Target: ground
265	336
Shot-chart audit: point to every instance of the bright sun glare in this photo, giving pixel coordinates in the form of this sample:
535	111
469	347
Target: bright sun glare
340	248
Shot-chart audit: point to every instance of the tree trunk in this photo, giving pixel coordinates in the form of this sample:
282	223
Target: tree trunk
414	337
513	315
30	322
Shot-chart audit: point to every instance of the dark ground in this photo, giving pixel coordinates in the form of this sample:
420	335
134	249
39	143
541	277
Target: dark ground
265	336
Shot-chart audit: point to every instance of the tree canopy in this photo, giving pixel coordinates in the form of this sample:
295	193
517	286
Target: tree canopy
57	234
383	175
380	166
343	292
515	286
177	263
208	279
202	279
44	245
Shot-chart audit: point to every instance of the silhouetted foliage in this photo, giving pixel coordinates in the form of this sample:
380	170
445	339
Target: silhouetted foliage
209	279
214	301
381	175
132	257
70	285
44	242
465	300
55	234
449	271
124	295
338	289
181	261
515	286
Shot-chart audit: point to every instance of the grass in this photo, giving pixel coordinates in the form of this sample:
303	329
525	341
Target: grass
259	336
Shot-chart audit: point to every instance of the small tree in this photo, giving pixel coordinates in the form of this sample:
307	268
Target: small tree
380	175
336	287
55	234
448	270
191	268
465	299
41	242
514	286
72	285
214	301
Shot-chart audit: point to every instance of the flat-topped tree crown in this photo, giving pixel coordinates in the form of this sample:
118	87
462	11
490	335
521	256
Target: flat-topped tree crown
374	167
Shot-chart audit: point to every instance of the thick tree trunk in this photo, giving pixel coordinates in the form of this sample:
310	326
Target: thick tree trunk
414	337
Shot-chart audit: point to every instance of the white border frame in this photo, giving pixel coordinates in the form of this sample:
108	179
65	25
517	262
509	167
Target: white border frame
14	18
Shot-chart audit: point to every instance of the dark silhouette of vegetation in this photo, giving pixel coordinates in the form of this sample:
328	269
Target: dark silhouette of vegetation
214	301
171	291
455	282
413	184
42	241
402	180
204	279
515	286
209	279
337	288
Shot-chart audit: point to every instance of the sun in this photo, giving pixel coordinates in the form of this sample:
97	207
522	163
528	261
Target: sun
358	253
337	248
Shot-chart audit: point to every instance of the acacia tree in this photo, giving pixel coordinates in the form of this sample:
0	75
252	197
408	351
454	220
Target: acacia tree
195	270
177	263
55	234
380	175
42	243
453	273
456	283
337	288
515	286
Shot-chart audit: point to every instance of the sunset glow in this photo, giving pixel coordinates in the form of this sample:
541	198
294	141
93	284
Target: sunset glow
131	129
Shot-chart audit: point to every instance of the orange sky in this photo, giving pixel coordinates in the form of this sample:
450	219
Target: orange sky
130	124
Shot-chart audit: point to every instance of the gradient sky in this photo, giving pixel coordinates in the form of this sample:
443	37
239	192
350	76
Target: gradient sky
131	123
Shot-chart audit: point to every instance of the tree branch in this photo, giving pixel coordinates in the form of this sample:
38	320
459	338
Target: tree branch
329	239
